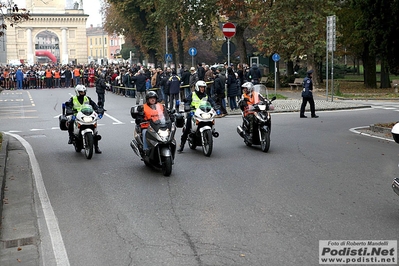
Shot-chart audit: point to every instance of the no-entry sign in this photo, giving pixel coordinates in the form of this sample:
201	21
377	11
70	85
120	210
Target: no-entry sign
229	30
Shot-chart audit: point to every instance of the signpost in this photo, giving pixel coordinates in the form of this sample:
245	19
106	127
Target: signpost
331	40
193	52
276	58
229	30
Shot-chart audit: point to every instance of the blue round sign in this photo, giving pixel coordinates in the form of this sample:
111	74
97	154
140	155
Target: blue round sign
276	57
192	51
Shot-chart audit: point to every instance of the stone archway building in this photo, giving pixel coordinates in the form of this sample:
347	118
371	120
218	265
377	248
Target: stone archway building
54	31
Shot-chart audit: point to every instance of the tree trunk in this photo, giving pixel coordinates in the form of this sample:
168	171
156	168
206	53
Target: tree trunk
241	47
152	56
312	65
180	47
290	68
385	82
369	63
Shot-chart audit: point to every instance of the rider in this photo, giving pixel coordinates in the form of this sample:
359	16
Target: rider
151	110
249	97
194	100
74	105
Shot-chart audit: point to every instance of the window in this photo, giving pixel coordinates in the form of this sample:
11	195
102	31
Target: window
72	52
21	53
112	42
96	41
71	34
91	41
105	40
100	41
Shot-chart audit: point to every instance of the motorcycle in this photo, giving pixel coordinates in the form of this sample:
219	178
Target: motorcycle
84	128
261	121
395	135
202	128
160	138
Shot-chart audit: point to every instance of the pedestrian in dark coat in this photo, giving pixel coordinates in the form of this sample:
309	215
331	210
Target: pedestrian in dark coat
307	95
139	80
233	90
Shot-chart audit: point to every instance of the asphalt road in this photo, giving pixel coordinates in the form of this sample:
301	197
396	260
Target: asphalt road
319	181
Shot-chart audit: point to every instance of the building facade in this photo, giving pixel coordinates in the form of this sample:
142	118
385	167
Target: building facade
55	34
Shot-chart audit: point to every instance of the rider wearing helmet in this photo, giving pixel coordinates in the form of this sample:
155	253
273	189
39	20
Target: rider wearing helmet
249	97
193	101
74	105
151	110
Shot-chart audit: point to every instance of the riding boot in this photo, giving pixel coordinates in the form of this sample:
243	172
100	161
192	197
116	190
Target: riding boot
181	146
96	148
70	140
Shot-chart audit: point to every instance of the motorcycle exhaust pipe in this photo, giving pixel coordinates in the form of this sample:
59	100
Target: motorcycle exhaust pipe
135	148
240	131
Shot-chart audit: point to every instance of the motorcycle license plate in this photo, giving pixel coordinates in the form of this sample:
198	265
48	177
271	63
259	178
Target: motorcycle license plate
395	185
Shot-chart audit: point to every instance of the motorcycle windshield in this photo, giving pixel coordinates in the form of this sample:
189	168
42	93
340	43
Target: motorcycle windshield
87	109
205	106
160	119
260	93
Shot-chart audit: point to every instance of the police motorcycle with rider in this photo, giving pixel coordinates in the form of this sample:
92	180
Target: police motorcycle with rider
79	116
199	128
154	134
256	120
395	135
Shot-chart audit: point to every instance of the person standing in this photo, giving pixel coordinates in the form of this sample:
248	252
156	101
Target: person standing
19	75
140	79
185	80
193	78
233	90
76	76
254	74
201	71
174	88
68	77
100	90
307	95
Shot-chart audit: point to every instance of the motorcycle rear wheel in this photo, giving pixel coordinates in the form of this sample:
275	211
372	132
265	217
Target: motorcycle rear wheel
207	146
167	166
264	140
89	145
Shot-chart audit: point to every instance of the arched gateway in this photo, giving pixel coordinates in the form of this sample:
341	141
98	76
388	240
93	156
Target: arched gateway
56	31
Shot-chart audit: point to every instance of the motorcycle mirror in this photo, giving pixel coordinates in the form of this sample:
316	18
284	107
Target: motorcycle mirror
274	97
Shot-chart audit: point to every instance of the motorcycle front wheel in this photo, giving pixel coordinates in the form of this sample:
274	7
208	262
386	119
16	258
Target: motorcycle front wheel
264	140
167	166
207	144
89	140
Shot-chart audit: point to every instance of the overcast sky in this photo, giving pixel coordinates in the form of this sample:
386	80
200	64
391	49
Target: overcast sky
91	8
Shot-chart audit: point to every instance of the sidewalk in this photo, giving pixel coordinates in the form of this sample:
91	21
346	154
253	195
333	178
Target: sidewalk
19	237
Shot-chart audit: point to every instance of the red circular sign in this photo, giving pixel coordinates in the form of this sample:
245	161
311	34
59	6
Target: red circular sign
229	30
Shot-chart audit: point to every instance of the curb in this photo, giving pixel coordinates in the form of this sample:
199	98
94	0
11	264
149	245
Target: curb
3	159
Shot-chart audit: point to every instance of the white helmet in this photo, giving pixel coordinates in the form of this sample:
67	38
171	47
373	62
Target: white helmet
200	83
249	86
79	88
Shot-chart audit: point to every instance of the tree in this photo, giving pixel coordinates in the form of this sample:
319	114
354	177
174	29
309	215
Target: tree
295	28
13	16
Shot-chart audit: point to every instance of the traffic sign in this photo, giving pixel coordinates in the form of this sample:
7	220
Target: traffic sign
232	48
168	57
276	57
192	51
229	29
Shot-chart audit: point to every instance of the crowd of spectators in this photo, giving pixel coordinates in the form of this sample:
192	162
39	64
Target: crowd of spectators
126	80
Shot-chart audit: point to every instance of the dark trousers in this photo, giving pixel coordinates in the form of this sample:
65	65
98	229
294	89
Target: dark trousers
305	100
187	129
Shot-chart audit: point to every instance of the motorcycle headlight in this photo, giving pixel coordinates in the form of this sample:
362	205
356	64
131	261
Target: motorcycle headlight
206	115
87	119
164	134
262	107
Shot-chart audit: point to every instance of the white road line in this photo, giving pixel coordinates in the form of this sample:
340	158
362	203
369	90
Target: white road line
354	130
117	122
59	250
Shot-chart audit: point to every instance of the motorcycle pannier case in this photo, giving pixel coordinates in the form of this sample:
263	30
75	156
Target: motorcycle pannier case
63	120
179	120
133	112
395	185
